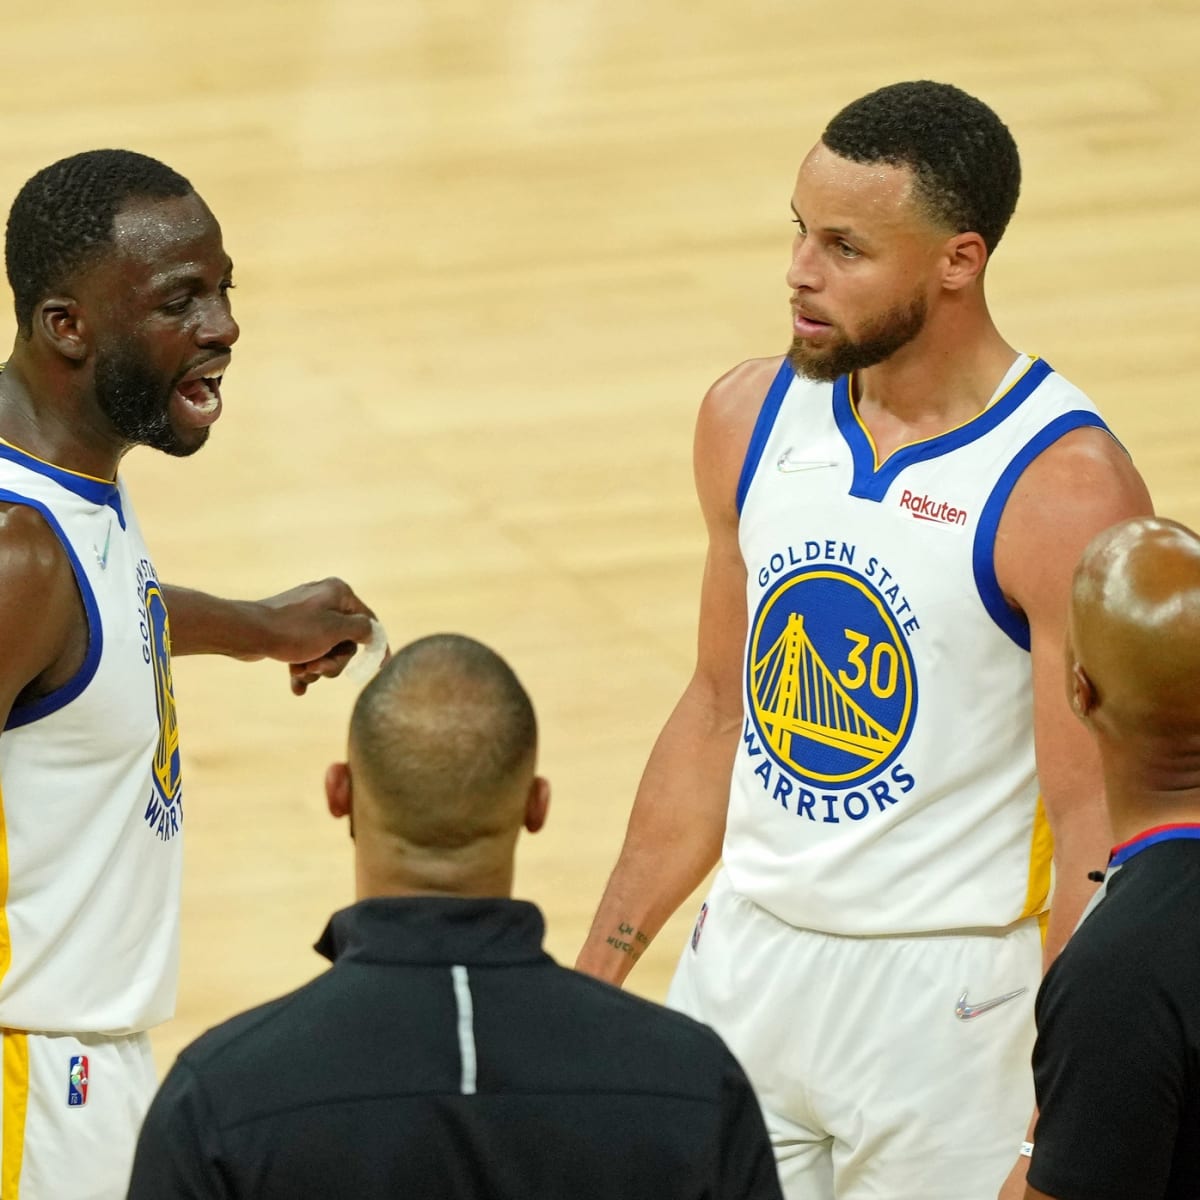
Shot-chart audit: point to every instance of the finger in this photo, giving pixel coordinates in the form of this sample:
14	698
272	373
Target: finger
328	666
344	599
354	627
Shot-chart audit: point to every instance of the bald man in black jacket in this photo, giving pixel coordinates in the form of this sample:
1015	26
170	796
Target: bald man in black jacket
446	1055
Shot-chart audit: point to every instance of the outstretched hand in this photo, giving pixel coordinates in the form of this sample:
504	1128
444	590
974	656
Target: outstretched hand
316	629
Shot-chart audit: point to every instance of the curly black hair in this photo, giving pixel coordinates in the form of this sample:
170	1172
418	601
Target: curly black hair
64	215
965	163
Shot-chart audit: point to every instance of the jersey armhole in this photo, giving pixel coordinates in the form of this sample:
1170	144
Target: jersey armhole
763	425
43	706
1010	622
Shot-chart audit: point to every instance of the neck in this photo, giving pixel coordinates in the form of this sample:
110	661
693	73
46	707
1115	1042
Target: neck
1145	791
475	871
945	376
47	415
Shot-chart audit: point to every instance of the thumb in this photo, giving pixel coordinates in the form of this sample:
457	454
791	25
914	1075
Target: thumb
351	627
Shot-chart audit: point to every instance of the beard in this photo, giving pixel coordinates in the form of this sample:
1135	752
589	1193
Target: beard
137	401
879	340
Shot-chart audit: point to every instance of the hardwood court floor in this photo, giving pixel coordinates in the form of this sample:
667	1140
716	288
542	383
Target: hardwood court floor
490	253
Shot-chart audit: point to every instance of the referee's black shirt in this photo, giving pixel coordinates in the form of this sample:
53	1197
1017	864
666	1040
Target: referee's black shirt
446	1055
1117	1061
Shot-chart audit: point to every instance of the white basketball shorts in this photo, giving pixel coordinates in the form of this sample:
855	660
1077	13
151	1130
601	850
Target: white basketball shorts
72	1109
889	1068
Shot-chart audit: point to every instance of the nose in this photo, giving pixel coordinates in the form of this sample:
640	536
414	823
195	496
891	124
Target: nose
219	327
802	273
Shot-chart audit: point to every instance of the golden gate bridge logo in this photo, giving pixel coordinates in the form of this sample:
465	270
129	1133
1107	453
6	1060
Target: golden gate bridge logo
829	676
166	754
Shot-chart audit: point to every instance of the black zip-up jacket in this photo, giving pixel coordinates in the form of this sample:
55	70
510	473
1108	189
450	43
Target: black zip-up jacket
446	1056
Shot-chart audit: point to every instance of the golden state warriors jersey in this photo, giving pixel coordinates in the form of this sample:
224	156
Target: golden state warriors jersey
90	798
884	781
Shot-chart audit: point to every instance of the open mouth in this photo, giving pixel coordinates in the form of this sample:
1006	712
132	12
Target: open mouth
201	395
804	325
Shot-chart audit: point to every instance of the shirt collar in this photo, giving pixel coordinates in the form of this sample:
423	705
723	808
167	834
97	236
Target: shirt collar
435	930
1150	837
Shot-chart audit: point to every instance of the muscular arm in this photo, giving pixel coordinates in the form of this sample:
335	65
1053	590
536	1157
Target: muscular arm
315	627
1079	486
678	821
43	630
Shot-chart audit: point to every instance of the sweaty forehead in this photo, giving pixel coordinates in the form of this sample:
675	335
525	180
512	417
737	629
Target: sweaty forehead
840	189
158	237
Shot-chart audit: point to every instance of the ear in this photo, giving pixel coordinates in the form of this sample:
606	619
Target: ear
537	804
964	257
59	323
1083	693
338	789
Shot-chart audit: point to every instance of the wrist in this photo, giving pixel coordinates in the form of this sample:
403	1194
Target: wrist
245	630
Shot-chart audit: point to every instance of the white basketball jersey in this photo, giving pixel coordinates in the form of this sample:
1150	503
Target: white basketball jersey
90	798
885	781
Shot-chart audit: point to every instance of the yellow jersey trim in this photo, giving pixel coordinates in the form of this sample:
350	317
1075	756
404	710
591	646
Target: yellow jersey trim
854	398
5	939
47	463
16	1104
1041	859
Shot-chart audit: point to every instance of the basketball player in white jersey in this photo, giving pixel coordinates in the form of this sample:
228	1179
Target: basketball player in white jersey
894	511
121	287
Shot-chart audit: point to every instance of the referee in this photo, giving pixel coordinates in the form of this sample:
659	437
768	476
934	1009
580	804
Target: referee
445	1054
1117	1061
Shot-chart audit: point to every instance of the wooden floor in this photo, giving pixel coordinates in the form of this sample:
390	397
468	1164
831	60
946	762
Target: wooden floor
490	253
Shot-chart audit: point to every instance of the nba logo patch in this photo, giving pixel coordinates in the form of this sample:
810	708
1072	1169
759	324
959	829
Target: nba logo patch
698	929
77	1081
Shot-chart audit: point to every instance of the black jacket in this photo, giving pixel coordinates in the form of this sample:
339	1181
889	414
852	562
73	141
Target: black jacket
1117	1060
446	1055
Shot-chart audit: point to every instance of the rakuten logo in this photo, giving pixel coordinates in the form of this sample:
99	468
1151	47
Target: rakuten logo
925	509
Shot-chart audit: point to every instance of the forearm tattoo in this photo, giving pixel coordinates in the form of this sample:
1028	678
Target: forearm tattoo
629	941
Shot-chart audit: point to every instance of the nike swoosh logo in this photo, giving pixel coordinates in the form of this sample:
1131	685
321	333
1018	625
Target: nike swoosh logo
787	463
102	555
966	1012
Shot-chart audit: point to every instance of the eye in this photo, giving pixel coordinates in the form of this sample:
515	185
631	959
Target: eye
799	224
177	307
227	286
847	251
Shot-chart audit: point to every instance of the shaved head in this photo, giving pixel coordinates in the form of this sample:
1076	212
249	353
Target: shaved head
1135	630
443	744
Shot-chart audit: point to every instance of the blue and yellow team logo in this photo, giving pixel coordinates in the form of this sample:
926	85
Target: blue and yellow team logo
167	775
830	676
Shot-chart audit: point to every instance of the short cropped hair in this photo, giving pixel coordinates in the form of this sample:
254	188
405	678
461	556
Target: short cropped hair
965	162
64	215
441	737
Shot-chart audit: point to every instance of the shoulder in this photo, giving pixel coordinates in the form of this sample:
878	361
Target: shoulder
724	426
1079	485
736	396
38	596
1133	951
673	1039
1085	475
235	1044
1087	464
27	543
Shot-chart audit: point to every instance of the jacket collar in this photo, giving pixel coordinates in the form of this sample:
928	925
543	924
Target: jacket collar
435	930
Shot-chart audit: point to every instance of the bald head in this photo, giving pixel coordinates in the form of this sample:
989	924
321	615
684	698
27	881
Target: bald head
1135	630
442	747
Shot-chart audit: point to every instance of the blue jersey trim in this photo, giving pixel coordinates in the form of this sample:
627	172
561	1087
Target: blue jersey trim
98	491
871	482
43	706
762	429
1151	837
983	553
